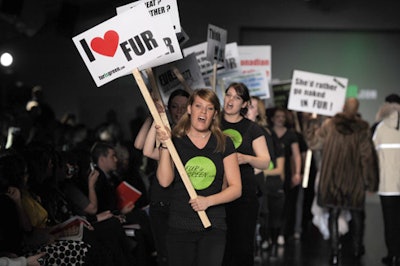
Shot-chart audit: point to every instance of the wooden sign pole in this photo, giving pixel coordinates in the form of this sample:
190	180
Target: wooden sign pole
214	76
182	80
306	174
170	145
157	96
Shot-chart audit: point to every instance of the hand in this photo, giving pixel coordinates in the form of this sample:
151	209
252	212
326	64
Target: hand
128	208
104	216
162	134
93	176
296	179
14	194
200	203
242	158
35	260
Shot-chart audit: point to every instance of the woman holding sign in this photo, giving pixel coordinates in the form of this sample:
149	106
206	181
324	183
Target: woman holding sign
252	151
211	163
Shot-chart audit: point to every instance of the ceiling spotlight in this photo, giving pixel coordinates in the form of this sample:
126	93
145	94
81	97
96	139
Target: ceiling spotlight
6	59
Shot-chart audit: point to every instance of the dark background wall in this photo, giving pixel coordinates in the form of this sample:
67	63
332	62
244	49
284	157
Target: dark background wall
355	39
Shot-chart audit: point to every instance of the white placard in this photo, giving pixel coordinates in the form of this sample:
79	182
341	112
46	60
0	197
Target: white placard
122	43
158	8
255	58
255	81
216	42
231	62
317	93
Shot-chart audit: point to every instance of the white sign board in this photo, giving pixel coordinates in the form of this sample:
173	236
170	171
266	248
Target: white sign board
121	44
231	62
216	41
158	8
317	93
255	81
255	58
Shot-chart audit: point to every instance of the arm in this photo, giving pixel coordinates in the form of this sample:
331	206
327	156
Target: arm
92	207
142	135
261	158
296	176
279	169
165	170
149	149
230	193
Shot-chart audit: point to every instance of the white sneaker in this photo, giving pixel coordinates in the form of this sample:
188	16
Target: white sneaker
281	240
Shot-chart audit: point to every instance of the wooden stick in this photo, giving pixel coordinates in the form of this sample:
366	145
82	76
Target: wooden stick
170	145
307	166
214	76
182	79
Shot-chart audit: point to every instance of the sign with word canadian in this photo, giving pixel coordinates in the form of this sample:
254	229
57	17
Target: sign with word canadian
122	43
157	8
255	81
255	58
317	93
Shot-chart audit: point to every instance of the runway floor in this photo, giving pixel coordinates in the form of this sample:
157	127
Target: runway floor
313	250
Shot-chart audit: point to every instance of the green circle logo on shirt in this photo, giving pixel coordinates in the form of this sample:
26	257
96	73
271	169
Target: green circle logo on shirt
235	136
201	171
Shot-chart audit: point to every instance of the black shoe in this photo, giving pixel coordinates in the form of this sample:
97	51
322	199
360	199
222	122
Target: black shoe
359	252
273	252
391	260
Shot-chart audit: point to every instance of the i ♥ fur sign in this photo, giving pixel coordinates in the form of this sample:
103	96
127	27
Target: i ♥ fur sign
122	43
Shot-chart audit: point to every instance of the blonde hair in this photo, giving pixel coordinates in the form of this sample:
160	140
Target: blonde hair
261	118
183	125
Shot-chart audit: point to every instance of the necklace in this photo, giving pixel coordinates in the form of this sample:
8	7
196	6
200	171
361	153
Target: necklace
200	136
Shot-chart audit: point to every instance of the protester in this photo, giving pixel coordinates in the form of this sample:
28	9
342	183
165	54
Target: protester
252	151
210	161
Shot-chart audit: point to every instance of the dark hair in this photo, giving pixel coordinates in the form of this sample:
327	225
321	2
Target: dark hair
392	98
178	92
241	90
98	149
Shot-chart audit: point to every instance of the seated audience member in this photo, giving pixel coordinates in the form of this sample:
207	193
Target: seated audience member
104	157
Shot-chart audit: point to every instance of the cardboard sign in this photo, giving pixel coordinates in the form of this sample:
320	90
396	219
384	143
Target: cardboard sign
255	81
158	8
122	43
167	81
255	58
216	41
317	93
171	41
231	63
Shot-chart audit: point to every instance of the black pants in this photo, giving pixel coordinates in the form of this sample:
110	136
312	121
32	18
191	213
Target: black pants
391	219
241	218
356	228
159	212
205	248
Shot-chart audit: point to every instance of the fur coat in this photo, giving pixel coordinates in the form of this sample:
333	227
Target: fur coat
349	164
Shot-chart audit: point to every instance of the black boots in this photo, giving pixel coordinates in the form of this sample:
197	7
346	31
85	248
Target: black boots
334	236
357	228
391	260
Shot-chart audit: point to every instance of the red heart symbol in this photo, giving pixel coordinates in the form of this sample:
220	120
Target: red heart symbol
107	46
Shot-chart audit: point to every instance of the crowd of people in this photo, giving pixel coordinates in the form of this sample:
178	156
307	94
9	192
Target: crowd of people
244	160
